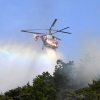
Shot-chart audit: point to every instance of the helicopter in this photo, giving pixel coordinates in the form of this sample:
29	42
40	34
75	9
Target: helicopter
48	39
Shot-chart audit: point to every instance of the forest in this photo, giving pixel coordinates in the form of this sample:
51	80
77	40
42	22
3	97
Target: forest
62	85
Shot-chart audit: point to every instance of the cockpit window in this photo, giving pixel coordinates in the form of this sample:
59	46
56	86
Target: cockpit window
49	36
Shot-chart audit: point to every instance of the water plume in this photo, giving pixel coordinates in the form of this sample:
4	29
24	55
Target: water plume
21	62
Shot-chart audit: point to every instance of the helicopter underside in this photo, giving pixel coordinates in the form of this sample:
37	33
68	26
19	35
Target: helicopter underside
48	45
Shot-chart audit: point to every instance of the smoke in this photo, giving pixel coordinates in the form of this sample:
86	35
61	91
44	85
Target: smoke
21	62
88	67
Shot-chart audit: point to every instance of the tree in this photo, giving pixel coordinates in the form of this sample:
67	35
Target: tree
20	93
43	87
91	92
4	97
63	78
48	87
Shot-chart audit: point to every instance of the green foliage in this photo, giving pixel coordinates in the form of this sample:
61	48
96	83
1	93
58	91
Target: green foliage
91	92
59	86
63	78
43	87
62	74
20	93
4	97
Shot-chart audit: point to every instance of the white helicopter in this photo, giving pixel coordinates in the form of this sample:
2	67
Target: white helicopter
48	39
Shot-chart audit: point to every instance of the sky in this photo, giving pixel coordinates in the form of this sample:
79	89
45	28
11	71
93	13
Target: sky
21	58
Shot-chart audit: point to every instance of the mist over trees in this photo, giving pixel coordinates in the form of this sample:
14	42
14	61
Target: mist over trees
66	83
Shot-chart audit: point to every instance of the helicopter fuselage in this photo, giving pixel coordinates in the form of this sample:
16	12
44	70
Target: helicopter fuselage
48	40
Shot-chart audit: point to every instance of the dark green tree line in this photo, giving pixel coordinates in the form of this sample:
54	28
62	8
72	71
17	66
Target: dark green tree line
64	78
43	87
91	92
20	93
46	86
62	85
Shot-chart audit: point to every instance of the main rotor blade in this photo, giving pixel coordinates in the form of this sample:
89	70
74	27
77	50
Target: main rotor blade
64	28
45	29
65	32
24	31
60	29
53	23
57	38
62	32
30	32
37	29
33	30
